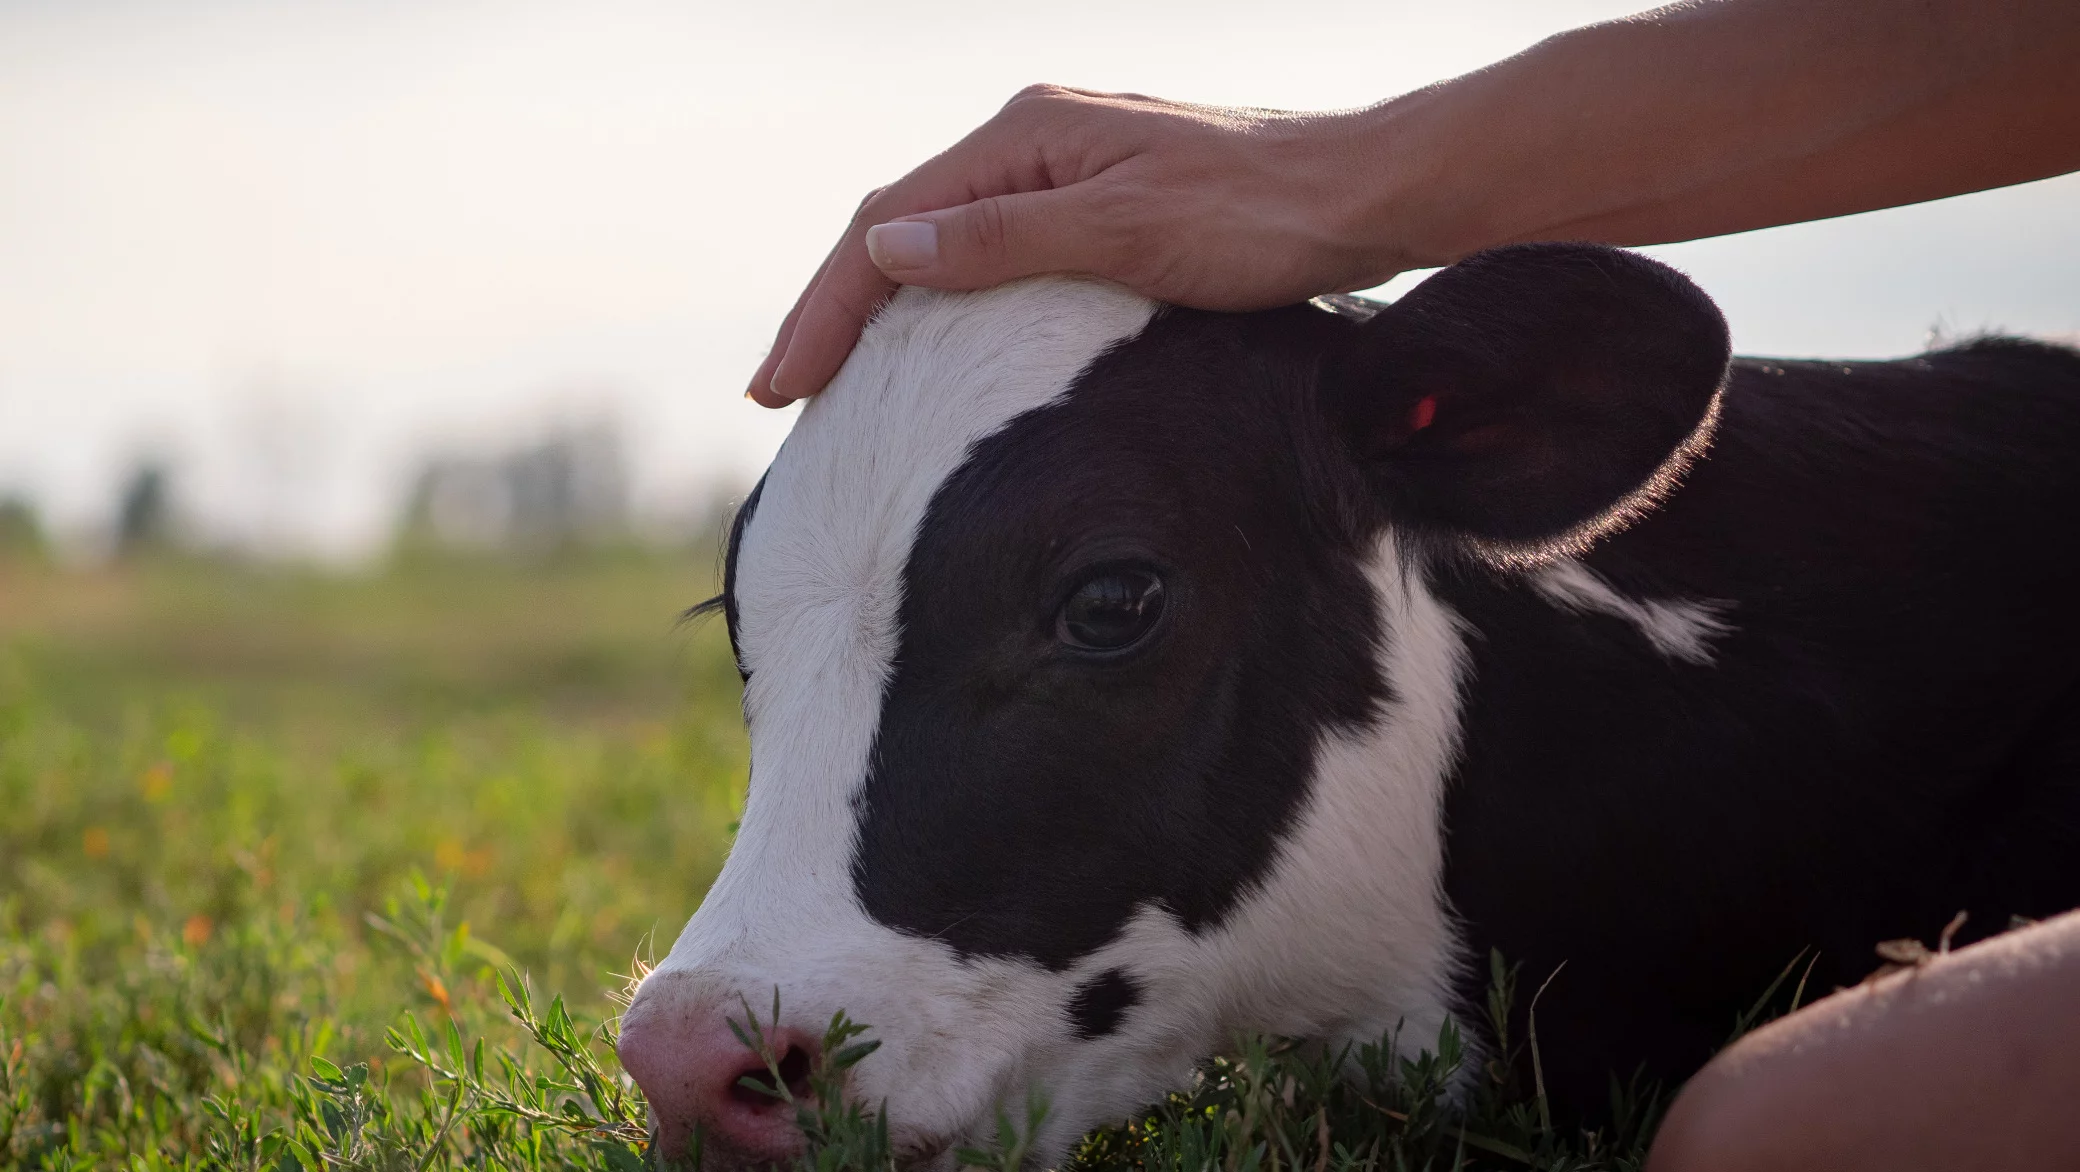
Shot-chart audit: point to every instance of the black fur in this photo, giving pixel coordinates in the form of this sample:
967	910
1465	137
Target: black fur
1102	1002
1025	800
728	599
1890	732
1558	381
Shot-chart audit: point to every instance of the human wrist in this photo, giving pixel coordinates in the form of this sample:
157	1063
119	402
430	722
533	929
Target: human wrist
1390	208
1423	200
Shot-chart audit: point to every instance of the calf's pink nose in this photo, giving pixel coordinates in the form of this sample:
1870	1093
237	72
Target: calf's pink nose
691	1067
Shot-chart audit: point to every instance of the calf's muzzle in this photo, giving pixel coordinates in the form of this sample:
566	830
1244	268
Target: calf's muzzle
678	1045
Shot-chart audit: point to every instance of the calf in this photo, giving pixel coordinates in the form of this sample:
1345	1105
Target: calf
1122	677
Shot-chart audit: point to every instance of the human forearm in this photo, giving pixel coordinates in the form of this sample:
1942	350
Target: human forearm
1720	117
1690	121
1971	1061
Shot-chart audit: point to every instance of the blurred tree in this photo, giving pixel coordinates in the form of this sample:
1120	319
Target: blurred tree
570	489
21	532
144	517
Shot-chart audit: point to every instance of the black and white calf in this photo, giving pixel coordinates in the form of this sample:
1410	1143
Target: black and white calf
1120	678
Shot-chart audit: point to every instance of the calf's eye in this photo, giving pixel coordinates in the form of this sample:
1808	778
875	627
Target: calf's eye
1111	611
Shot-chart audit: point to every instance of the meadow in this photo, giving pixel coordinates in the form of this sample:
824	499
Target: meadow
303	869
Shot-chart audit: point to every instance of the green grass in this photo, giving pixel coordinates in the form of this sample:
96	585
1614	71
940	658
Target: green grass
302	870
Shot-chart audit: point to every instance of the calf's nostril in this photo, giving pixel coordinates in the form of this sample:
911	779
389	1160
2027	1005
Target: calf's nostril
794	1071
757	1089
701	1077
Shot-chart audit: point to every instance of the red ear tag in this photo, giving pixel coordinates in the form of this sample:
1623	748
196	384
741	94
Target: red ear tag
1423	413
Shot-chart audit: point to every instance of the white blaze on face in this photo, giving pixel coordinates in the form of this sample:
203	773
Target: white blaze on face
818	589
1346	936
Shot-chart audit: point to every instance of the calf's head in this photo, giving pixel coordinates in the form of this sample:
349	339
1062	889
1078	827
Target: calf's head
1097	707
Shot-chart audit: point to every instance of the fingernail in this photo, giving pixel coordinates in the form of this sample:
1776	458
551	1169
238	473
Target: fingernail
904	244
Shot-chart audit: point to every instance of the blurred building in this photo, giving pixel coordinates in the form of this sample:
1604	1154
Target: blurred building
568	489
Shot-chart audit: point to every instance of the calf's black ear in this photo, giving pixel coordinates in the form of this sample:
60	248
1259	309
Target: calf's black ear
1530	396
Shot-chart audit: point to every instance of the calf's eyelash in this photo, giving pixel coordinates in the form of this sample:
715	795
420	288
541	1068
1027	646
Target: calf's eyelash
701	610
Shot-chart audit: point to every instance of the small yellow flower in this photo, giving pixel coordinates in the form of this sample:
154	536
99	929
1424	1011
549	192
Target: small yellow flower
436	989
95	842
157	781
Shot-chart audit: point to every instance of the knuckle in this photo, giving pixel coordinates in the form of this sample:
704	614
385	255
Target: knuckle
1120	213
1045	101
1138	254
1110	202
867	202
858	305
988	226
1039	92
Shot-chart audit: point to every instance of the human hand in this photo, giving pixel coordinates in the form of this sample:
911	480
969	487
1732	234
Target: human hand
1203	206
1637	131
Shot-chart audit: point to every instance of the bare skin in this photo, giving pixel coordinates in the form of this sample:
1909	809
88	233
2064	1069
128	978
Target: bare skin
1971	1060
1694	120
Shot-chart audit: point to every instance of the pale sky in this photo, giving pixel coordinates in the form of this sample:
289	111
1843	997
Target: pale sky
295	245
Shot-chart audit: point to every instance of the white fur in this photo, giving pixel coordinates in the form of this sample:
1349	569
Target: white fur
819	587
1346	936
1346	939
1680	629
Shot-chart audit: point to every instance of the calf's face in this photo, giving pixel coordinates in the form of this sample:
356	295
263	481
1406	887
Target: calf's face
1097	709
